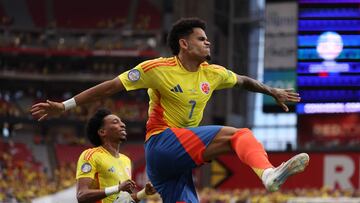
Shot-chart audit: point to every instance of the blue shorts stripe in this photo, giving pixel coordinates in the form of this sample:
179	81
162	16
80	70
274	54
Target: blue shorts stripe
169	166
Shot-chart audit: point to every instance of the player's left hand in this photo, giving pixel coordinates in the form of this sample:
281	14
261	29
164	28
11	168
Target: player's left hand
127	186
149	189
285	95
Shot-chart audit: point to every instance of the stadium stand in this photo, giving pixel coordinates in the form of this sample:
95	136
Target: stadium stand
5	20
19	154
75	51
147	16
2	13
113	14
37	9
208	195
68	154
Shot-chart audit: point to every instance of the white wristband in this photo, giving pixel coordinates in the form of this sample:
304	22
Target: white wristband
69	104
111	190
141	194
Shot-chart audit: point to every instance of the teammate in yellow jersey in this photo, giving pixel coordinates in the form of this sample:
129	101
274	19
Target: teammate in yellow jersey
179	88
103	174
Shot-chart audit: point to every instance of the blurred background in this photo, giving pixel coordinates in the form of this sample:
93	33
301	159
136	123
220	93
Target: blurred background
53	49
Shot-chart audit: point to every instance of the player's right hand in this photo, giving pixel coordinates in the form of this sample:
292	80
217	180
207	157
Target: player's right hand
128	186
46	109
149	189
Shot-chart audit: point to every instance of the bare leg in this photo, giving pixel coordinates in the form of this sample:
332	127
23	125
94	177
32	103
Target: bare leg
221	144
243	143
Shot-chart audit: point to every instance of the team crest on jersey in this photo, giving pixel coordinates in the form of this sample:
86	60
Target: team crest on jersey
134	75
205	87
86	168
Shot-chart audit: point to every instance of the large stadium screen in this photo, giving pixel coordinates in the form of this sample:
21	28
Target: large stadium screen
328	69
328	72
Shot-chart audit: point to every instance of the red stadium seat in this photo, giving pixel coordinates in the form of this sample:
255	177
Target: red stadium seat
90	13
148	17
38	12
66	154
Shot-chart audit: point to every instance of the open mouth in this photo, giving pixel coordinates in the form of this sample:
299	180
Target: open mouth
123	132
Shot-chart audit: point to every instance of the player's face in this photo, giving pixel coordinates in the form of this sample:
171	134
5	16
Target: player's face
114	128
198	44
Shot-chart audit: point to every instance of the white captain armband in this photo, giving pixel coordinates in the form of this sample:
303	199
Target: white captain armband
111	190
69	104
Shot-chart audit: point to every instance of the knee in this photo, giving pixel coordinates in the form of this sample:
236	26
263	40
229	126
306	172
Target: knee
243	131
245	137
227	132
230	133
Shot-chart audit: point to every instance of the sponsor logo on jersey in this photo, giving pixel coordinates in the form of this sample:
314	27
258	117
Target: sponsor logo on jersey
177	88
134	75
86	168
192	91
205	87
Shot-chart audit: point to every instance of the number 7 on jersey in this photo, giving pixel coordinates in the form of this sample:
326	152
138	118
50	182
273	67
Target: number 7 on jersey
193	103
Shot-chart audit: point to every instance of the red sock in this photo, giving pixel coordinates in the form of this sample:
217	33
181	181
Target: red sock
249	150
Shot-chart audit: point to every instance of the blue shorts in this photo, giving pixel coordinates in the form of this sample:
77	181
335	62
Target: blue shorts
170	158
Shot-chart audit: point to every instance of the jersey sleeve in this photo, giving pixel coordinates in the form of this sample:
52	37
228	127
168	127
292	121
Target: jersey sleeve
228	78
136	78
86	168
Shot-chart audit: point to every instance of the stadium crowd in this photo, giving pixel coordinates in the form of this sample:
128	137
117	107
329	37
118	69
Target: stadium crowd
23	180
76	40
11	105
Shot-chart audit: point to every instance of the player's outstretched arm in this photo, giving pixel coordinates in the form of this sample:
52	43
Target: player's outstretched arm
84	193
49	108
280	95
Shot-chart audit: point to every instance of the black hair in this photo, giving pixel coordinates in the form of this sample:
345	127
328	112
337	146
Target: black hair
94	124
182	28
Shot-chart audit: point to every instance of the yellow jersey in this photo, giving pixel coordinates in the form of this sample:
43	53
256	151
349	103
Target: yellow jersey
177	96
105	169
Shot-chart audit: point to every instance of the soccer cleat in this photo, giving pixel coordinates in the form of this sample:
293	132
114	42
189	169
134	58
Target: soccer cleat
277	176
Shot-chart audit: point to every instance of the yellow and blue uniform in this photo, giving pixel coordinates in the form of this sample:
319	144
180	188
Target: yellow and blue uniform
177	101
105	169
177	97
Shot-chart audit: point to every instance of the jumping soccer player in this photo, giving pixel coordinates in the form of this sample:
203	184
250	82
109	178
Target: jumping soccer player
179	88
